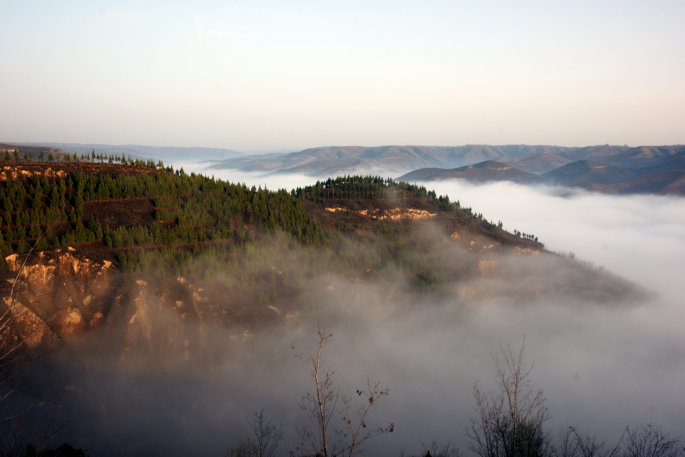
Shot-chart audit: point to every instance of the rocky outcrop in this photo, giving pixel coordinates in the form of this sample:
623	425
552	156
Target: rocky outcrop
56	295
63	294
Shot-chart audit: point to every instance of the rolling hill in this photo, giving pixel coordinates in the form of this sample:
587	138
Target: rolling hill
591	167
663	175
486	171
340	160
587	172
165	153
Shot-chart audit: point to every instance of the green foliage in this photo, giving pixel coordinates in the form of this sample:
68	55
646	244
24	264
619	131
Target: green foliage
359	188
192	214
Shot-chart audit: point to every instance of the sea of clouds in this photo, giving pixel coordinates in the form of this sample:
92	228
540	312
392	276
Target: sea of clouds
602	365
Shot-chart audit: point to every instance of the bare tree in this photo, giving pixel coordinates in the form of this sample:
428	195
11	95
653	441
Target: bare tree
266	435
649	441
574	443
11	420
11	344
262	441
13	358
509	421
438	450
636	441
328	409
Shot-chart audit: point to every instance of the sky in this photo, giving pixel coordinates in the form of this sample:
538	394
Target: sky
267	75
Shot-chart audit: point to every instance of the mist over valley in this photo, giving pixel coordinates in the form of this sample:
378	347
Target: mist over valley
154	345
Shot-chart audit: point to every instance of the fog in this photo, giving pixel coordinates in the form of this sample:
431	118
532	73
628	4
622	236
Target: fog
602	363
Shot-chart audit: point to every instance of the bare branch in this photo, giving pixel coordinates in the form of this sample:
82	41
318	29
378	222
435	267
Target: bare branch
325	407
509	421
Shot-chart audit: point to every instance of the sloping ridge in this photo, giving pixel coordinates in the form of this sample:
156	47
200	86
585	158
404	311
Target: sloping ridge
588	171
337	160
648	156
537	163
489	170
665	183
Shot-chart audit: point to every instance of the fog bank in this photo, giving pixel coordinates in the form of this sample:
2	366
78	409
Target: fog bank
602	363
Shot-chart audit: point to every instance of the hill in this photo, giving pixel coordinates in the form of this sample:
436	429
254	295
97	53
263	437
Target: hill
489	170
131	281
111	232
587	172
646	156
665	183
165	153
337	160
29	152
658	170
537	163
586	167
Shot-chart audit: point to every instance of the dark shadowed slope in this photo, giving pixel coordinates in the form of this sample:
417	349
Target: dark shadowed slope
665	183
599	153
489	170
588	171
537	163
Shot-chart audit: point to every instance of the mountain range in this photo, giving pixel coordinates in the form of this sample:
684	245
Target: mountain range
166	153
605	168
587	174
602	168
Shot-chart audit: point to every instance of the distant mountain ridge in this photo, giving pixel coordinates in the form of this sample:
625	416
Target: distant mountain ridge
667	178
340	160
165	153
489	170
605	168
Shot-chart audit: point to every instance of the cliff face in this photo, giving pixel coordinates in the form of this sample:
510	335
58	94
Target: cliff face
57	295
64	295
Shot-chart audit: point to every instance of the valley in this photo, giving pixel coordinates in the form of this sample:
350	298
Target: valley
129	283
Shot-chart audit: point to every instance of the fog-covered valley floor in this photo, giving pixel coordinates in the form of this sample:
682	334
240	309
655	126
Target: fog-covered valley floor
602	364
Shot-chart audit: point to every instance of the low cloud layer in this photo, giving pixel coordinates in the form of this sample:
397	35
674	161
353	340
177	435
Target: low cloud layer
602	363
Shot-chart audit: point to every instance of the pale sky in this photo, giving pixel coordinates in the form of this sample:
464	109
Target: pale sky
256	75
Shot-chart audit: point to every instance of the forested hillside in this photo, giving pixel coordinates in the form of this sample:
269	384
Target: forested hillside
142	217
127	209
